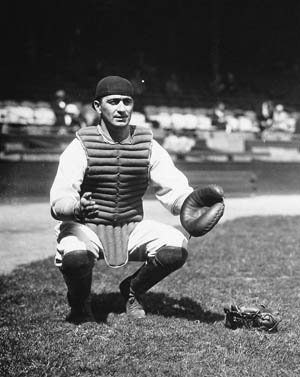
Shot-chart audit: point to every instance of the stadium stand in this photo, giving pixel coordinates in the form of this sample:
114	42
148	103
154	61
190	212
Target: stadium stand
32	128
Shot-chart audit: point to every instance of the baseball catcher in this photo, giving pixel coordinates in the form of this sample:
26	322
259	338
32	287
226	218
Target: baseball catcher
97	198
260	318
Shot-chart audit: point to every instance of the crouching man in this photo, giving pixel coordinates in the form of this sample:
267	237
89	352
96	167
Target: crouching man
97	197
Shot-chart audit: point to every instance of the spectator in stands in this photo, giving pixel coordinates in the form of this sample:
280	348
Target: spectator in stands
59	107
72	115
265	115
218	116
281	120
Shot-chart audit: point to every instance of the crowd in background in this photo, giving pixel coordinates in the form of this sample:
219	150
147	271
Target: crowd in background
177	124
177	103
64	116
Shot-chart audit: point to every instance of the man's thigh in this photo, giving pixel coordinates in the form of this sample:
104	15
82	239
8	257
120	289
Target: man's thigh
73	236
149	236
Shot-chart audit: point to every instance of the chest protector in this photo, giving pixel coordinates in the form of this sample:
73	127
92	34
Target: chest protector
117	177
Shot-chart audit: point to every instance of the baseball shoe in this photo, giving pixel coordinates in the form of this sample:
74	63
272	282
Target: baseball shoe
134	308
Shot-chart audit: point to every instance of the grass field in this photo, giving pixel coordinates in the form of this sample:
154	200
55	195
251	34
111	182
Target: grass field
251	261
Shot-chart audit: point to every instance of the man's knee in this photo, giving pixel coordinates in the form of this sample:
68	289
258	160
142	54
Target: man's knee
171	257
78	262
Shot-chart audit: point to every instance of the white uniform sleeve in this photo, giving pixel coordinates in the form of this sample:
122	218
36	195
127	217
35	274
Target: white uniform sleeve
64	193
170	184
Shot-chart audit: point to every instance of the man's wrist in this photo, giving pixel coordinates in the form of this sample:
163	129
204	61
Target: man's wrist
63	209
77	212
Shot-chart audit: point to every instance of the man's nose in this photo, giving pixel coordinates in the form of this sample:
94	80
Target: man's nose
121	107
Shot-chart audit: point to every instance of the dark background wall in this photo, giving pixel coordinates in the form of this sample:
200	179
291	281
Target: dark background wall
73	43
31	181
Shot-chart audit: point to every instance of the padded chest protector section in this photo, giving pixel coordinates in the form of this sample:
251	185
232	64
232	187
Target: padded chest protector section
114	240
117	174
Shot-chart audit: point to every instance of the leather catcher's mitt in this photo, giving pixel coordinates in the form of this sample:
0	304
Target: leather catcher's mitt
260	318
202	210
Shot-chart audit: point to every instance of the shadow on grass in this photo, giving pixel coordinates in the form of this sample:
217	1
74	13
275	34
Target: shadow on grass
154	303
105	303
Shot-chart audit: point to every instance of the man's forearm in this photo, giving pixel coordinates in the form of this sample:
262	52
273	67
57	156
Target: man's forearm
176	206
63	209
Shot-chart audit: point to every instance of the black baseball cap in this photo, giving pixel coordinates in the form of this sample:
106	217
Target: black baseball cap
113	85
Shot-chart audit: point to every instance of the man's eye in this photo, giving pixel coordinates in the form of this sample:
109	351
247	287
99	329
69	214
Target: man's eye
127	102
114	102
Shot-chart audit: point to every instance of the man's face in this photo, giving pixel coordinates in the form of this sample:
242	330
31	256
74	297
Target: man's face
115	110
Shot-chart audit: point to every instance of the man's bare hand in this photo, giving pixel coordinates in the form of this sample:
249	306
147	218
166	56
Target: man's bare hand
86	207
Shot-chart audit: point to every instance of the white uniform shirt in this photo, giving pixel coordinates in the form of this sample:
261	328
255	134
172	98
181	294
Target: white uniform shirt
171	185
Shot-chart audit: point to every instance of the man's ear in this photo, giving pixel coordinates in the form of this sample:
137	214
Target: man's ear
96	106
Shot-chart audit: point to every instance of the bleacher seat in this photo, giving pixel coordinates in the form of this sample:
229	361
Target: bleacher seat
44	115
190	121
177	120
139	119
203	122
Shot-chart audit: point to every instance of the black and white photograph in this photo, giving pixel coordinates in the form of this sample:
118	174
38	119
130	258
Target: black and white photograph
150	188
